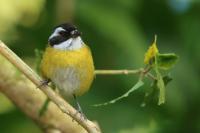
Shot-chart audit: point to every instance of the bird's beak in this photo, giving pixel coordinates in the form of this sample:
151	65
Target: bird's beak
75	33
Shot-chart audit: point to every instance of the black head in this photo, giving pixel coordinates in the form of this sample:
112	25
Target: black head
62	33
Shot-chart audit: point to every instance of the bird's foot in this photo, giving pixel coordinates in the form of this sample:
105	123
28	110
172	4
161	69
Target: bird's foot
43	83
82	115
79	111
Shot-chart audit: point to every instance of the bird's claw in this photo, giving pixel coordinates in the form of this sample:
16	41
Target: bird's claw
82	115
43	83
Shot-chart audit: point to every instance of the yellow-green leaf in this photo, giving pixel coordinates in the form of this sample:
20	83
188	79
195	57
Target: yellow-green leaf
151	52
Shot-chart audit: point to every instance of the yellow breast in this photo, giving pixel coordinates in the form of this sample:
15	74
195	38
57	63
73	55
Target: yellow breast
79	60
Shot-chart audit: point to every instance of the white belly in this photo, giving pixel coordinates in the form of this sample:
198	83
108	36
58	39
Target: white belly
67	81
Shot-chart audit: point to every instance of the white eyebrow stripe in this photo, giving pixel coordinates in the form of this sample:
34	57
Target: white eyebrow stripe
56	32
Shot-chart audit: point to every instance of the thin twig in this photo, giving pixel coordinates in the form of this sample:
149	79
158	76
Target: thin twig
116	72
151	76
61	103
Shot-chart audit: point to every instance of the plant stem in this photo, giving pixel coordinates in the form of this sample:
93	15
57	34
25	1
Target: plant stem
117	72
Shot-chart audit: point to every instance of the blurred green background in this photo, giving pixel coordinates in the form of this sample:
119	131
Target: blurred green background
118	32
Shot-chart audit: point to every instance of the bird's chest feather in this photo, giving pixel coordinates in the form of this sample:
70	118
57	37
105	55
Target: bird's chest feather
68	80
71	71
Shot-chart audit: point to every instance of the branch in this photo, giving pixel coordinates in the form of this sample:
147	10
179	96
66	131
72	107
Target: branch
23	93
141	71
116	72
55	98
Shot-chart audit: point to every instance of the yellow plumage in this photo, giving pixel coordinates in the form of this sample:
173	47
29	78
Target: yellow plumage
71	70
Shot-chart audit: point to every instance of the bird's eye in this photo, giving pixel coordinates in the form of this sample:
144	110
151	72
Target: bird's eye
62	33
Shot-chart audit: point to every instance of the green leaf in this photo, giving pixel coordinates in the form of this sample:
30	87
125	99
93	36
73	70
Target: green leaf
149	94
152	92
38	58
135	87
167	79
44	107
166	61
161	86
160	83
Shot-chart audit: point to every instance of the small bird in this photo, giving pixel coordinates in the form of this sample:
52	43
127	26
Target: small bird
67	62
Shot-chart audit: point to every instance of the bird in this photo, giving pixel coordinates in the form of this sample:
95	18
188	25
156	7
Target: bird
67	62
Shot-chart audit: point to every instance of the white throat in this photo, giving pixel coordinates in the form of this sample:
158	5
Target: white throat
70	44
